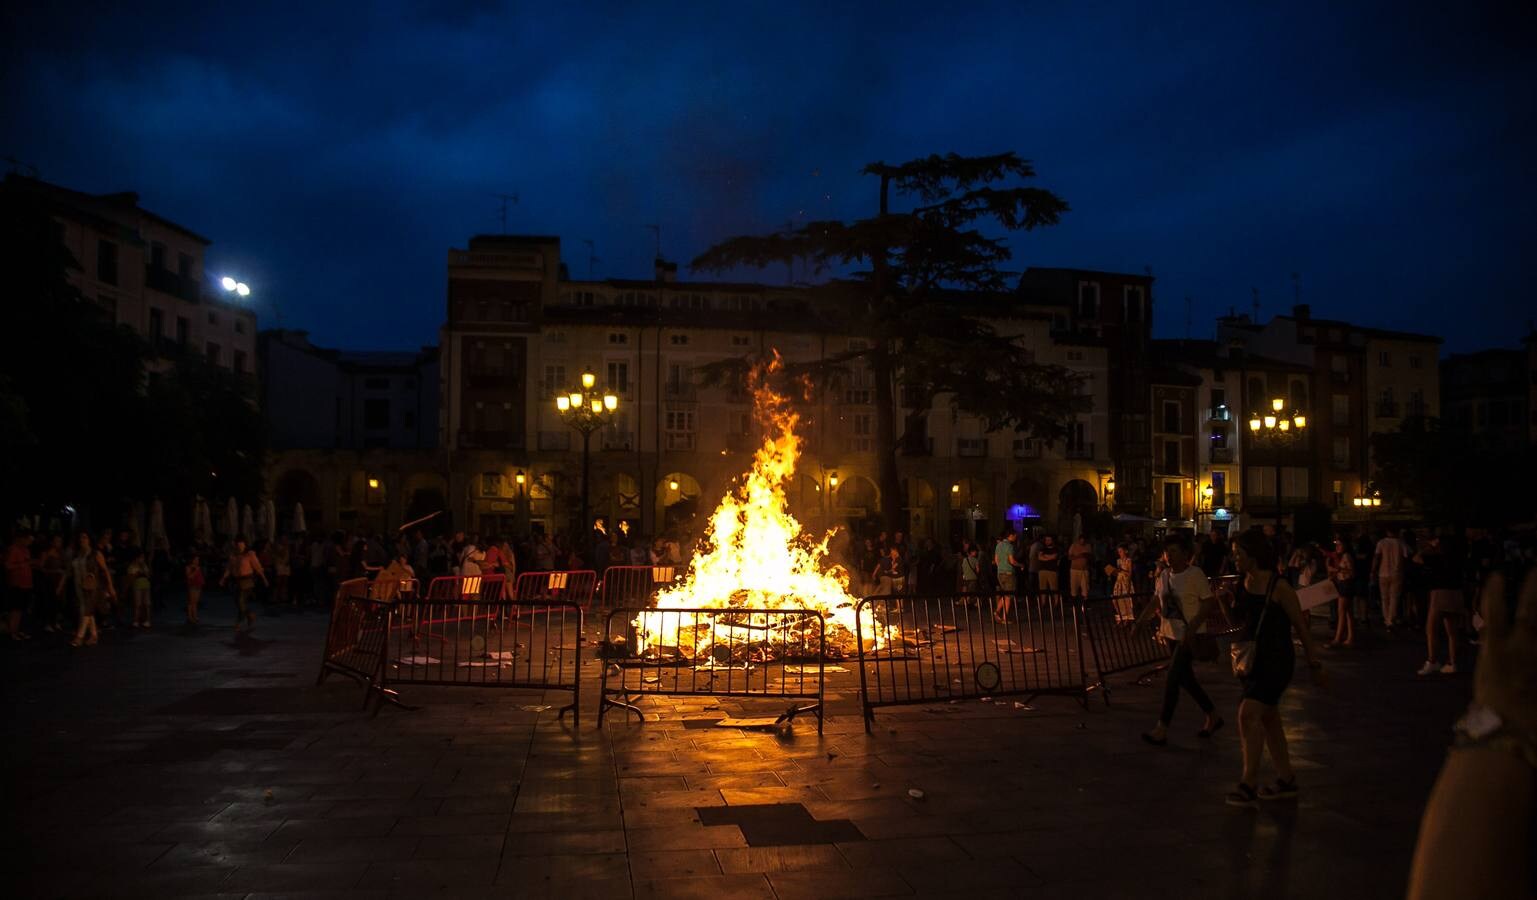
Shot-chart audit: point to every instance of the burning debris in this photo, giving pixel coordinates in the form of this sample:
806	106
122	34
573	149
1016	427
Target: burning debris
755	560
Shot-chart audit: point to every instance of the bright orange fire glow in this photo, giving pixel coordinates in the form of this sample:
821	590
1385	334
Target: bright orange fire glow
754	554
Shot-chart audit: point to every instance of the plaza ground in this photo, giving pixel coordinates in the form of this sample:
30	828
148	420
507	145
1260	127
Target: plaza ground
192	762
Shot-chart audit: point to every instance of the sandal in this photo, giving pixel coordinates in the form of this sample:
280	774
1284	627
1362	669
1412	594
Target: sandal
1283	789
1242	795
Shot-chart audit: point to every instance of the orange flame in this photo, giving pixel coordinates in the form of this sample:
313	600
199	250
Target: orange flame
755	554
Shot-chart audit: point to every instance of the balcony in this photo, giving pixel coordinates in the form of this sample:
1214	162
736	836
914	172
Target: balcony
1222	454
1219	414
490	379
680	390
554	440
618	440
490	440
1387	409
167	282
971	447
1416	407
678	440
917	445
740	442
1079	451
859	396
1025	448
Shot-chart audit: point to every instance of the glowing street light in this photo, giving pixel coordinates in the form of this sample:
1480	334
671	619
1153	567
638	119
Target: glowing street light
586	414
239	288
1281	431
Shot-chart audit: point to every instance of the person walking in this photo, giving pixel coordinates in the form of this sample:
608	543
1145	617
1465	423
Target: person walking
92	579
1443	577
1183	601
971	570
193	572
1387	570
19	570
1268	607
138	582
245	568
1007	564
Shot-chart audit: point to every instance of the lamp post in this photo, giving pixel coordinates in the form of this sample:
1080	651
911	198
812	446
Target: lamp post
522	480
1368	501
586	413
1280	431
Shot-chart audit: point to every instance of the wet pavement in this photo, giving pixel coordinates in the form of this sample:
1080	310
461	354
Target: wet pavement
192	762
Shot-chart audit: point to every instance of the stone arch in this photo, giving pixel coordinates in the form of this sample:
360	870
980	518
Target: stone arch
1076	502
426	493
857	492
678	499
298	486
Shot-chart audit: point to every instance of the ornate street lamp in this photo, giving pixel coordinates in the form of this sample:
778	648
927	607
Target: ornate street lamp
1280	431
586	412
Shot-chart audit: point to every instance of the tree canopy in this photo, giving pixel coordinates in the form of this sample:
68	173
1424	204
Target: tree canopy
926	294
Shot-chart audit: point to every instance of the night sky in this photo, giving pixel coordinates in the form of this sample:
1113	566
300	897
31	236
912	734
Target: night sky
1381	151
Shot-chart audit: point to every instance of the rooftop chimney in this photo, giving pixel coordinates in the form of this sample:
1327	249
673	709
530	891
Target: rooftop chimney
666	272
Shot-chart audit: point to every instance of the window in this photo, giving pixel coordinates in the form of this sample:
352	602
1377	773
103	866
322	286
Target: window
1171	417
239	361
1171	456
1384	359
1341	409
182	327
679	425
156	255
1414	360
618	337
1076	445
1339	493
1256	394
1134	303
555	378
184	265
1088	300
1218	488
619	377
680	420
1341	452
106	262
491	484
679	378
156	324
862	425
1299	394
376	413
239	326
1219	438
741	340
971	446
678	340
1075	356
1218	398
213	353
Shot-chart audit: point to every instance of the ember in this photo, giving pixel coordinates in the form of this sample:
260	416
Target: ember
754	557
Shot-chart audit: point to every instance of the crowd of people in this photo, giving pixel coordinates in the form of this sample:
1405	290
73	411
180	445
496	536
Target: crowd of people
81	586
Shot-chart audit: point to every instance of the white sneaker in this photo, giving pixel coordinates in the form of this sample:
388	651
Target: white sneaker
1428	668
1448	669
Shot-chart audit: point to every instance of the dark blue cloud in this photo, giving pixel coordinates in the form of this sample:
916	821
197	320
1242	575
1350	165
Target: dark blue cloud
1378	150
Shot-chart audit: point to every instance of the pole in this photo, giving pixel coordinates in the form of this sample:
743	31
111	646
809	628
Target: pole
584	533
1278	511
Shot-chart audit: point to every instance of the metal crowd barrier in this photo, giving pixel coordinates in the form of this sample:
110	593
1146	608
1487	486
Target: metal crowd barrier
355	636
769	654
468	588
1118	644
500	644
923	649
634	585
394	589
558	587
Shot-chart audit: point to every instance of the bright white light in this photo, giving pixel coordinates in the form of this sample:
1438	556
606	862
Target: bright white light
228	282
242	289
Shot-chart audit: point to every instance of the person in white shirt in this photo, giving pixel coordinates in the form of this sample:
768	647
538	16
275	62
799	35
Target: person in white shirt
1184	601
1388	572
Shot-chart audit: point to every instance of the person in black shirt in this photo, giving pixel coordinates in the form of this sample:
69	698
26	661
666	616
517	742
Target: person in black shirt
1442	569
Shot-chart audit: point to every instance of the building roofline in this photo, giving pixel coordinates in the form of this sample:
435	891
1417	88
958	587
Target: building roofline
116	200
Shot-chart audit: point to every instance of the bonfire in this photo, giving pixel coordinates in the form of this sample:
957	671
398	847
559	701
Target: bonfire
753	557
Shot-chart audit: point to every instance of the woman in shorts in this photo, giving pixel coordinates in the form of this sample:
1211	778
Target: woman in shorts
1268	607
